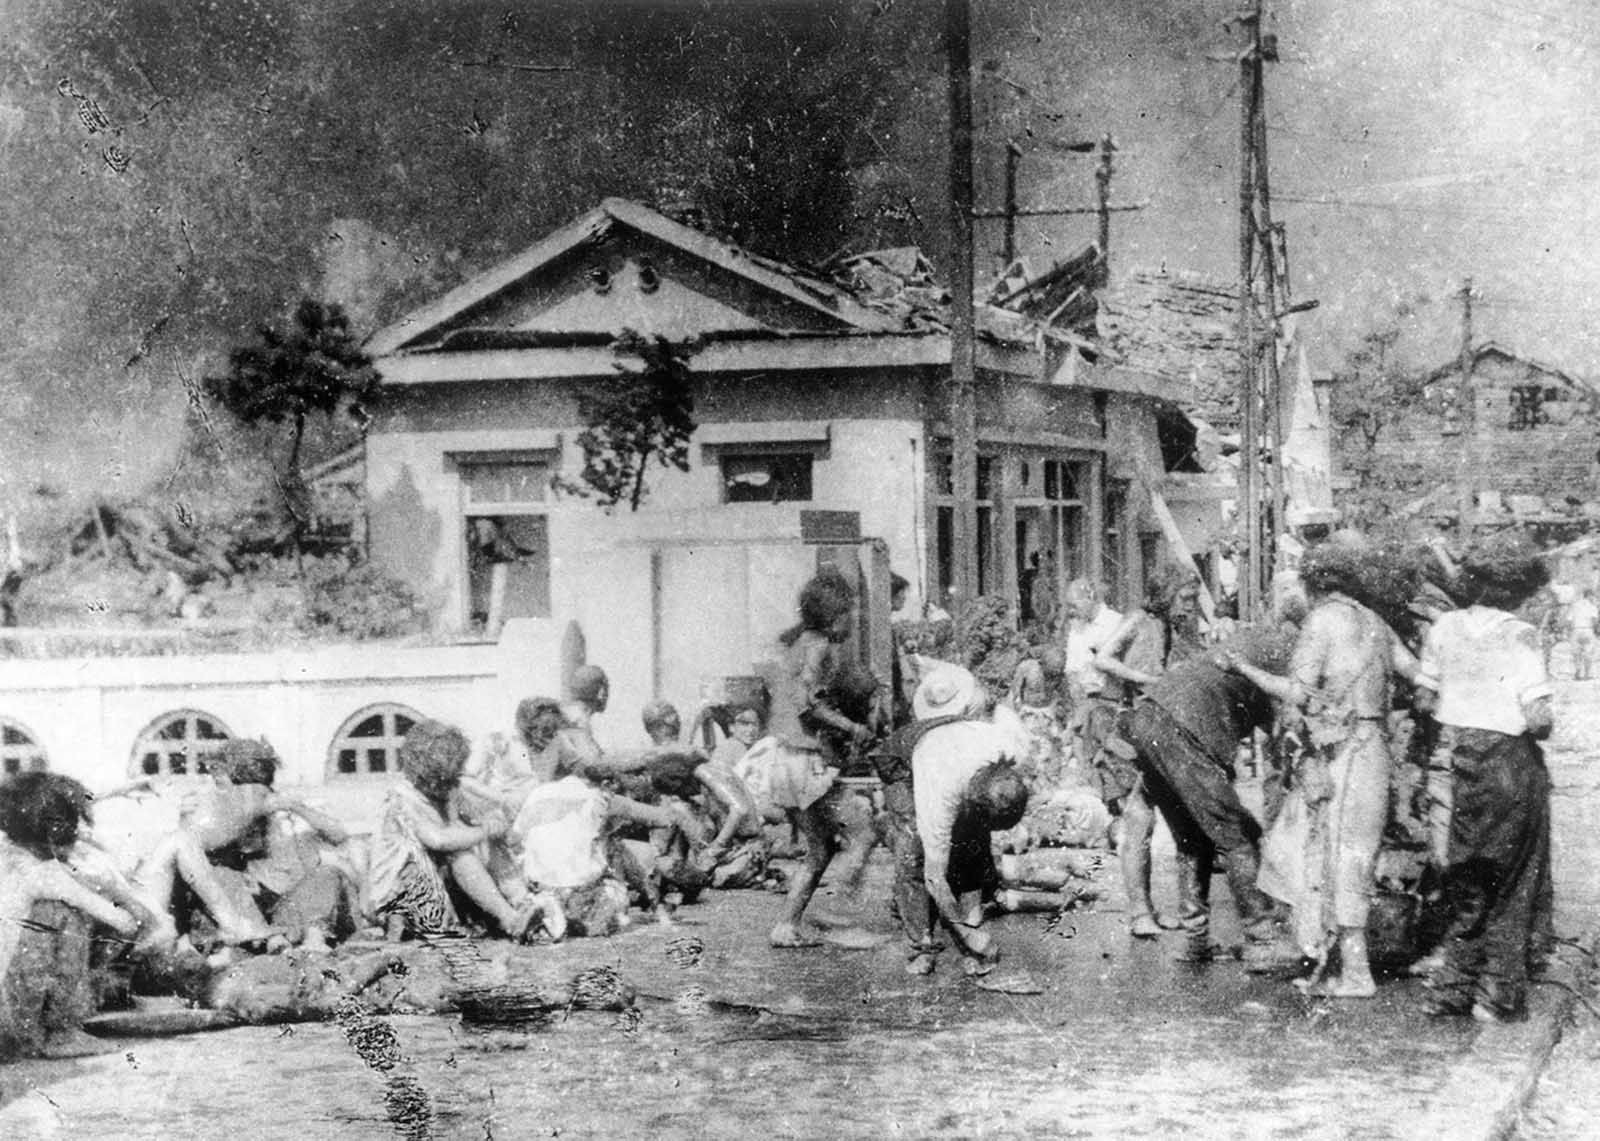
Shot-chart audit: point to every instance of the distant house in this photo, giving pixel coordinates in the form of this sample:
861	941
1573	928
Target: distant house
822	436
1525	445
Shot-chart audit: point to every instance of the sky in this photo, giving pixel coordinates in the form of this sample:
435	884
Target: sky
380	151
1411	145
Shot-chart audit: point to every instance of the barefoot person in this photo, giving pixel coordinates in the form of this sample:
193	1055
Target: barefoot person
807	723
1338	683
1185	731
423	838
1163	633
46	914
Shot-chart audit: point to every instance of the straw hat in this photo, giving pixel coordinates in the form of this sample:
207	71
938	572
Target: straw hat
946	691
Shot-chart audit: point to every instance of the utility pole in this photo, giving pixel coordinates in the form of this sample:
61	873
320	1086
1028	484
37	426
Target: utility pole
1261	282
1469	471
962	393
1013	156
1249	429
1102	185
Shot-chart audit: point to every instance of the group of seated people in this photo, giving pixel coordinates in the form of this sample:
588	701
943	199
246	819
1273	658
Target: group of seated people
539	839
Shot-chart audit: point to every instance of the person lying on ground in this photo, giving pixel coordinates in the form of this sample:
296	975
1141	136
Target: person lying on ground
424	846
965	786
46	917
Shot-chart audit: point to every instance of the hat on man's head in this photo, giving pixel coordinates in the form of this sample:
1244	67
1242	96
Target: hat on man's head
946	691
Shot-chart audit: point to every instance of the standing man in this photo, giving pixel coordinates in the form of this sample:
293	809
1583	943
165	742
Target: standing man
1090	627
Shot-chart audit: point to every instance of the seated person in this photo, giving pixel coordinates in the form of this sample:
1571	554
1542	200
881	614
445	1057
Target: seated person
423	839
46	914
214	819
507	771
291	875
735	855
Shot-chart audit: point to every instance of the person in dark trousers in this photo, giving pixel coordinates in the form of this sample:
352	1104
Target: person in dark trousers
1185	731
1483	677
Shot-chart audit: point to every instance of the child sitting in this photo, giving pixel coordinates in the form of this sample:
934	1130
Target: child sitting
45	918
423	837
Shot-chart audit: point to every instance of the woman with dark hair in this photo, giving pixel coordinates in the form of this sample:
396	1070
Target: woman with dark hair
46	914
1339	686
1165	632
1484	676
808	725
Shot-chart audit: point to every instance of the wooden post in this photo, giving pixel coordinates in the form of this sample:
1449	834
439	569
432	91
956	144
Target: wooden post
1102	182
1013	156
1249	430
963	361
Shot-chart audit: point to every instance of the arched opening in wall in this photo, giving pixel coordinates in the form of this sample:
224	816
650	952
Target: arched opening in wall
369	742
178	744
19	752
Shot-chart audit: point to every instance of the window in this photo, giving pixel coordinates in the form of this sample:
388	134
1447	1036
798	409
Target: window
1527	407
766	477
505	537
19	752
369	742
942	475
177	744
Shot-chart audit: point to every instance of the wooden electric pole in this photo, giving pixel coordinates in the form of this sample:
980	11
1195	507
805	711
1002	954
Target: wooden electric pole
1469	469
962	393
1249	428
1263	284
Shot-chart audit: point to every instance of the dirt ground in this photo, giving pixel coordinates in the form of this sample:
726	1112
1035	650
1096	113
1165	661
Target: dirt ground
732	1038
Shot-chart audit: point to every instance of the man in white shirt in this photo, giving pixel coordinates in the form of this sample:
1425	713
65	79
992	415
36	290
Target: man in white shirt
964	787
1090	627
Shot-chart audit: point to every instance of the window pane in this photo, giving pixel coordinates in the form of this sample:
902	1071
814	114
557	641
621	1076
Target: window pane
505	482
944	476
371	727
347	760
945	543
206	731
986	469
13	736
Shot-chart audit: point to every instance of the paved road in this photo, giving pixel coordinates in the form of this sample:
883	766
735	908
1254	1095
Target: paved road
746	1040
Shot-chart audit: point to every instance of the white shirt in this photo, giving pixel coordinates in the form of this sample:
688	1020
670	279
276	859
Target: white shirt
1485	665
944	763
1084	642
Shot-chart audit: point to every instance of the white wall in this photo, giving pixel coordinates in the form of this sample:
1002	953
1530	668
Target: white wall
87	713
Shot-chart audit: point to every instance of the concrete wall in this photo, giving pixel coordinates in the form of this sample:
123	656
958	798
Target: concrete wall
867	449
88	713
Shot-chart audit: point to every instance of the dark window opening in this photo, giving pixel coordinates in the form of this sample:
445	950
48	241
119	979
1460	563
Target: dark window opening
781	477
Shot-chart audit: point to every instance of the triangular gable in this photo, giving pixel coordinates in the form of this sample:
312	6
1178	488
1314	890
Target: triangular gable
625	266
1490	349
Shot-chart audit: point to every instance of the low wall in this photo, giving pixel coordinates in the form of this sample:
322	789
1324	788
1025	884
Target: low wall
87	715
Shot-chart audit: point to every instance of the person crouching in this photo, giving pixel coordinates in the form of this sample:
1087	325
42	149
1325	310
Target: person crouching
965	785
